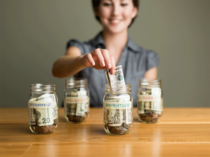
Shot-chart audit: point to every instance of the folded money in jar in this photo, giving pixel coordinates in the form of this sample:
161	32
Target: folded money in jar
150	101
43	109
76	100
117	104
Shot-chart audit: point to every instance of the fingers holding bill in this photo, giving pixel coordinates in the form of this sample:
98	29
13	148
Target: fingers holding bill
107	58
100	57
112	70
90	59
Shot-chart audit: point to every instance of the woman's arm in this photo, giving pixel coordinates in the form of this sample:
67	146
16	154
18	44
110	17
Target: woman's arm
151	74
74	62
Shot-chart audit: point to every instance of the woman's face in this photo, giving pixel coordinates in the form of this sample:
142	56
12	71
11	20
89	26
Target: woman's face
116	15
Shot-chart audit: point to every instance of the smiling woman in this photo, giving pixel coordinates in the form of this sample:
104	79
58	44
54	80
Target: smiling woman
96	3
112	46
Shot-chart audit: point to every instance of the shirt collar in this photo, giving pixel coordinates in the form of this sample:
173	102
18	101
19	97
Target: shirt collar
98	42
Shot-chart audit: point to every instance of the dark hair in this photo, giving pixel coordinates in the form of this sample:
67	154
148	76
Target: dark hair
95	4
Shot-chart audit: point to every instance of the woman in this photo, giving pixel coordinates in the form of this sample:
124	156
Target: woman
109	48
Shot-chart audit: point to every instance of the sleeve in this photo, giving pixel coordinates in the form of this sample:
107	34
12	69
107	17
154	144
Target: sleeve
74	42
152	60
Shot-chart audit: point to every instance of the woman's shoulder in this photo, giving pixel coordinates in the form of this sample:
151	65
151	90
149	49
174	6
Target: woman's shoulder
84	46
139	50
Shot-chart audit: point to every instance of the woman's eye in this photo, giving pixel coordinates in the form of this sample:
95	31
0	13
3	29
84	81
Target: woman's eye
107	4
124	4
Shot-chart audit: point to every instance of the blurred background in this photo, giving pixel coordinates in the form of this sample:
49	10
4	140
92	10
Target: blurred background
34	34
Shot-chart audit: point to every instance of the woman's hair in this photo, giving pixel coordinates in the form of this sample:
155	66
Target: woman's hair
95	4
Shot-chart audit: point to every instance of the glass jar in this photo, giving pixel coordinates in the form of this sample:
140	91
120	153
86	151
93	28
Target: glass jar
149	101
76	100
118	110
43	108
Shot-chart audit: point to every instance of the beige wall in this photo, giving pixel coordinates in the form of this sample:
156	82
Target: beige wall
34	34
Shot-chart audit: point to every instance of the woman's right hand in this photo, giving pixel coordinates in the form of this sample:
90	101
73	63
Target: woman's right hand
99	59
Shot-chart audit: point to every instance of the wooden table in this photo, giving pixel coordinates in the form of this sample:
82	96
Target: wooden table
181	132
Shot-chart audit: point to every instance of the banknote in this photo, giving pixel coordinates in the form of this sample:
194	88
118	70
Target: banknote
47	97
116	81
44	116
77	103
114	117
32	116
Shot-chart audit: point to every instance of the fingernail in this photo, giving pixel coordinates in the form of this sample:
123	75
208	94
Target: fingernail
109	66
93	63
112	71
103	64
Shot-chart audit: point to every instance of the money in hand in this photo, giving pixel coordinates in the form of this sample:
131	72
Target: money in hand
116	81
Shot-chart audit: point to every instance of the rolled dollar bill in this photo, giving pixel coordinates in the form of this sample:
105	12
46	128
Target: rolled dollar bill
116	81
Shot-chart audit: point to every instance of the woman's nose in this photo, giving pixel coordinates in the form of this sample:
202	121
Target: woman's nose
116	10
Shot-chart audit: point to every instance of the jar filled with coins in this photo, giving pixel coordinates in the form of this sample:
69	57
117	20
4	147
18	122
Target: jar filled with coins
118	110
149	101
76	100
43	108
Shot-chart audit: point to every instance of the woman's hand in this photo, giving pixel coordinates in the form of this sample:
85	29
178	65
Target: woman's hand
99	59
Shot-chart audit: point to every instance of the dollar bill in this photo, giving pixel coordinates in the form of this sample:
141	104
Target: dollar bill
82	107
150	99
70	106
47	97
32	116
78	103
114	117
44	116
129	116
116	81
55	113
80	111
140	106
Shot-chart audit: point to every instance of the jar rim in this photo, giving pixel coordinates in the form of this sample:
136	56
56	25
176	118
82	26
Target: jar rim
117	90
43	87
145	82
76	82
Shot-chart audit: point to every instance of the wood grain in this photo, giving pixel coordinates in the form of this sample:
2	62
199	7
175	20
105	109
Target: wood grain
121	150
181	132
95	133
13	149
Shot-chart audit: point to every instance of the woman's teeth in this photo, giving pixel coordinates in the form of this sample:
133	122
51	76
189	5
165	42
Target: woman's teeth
115	21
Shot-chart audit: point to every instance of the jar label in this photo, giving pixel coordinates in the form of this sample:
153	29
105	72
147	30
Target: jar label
41	104
123	98
149	98
83	99
117	105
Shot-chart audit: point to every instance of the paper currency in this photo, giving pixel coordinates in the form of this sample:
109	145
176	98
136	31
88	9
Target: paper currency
32	116
44	116
47	97
116	81
114	117
77	103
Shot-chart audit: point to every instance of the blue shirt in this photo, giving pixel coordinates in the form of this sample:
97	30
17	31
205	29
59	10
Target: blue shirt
134	59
